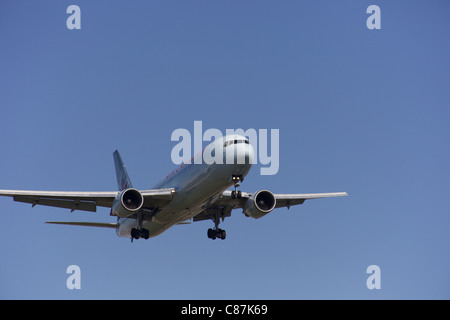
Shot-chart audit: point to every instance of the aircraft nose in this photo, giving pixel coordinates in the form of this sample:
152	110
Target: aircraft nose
244	154
249	154
238	151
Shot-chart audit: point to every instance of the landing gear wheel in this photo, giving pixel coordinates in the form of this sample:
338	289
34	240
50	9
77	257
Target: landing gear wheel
236	194
219	233
142	233
145	234
212	234
135	233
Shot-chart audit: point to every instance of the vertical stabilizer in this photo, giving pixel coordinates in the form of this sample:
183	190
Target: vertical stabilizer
123	181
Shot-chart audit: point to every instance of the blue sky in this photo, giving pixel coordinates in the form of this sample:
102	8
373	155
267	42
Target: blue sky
362	111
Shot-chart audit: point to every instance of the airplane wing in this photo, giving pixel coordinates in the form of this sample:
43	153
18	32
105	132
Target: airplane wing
287	200
282	200
85	201
225	202
87	224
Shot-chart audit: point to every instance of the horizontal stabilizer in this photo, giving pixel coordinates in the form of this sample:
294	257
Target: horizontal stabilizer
87	224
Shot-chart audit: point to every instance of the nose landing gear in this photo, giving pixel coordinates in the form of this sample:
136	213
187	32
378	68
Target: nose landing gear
235	194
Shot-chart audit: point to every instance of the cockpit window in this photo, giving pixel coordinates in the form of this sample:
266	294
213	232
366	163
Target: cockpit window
236	141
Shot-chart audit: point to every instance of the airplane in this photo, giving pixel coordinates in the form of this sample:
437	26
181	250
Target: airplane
193	191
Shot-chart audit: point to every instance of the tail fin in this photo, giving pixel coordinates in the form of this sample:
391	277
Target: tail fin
123	181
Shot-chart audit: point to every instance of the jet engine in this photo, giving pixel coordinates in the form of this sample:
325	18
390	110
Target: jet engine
260	204
127	202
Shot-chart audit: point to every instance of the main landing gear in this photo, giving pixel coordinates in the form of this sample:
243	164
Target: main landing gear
217	233
220	212
139	233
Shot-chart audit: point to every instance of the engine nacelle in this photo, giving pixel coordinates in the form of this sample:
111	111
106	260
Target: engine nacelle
260	204
127	202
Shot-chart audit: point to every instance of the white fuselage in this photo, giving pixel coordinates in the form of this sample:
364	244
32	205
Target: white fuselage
196	185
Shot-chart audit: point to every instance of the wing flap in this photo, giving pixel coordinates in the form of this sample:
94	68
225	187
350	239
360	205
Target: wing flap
67	204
